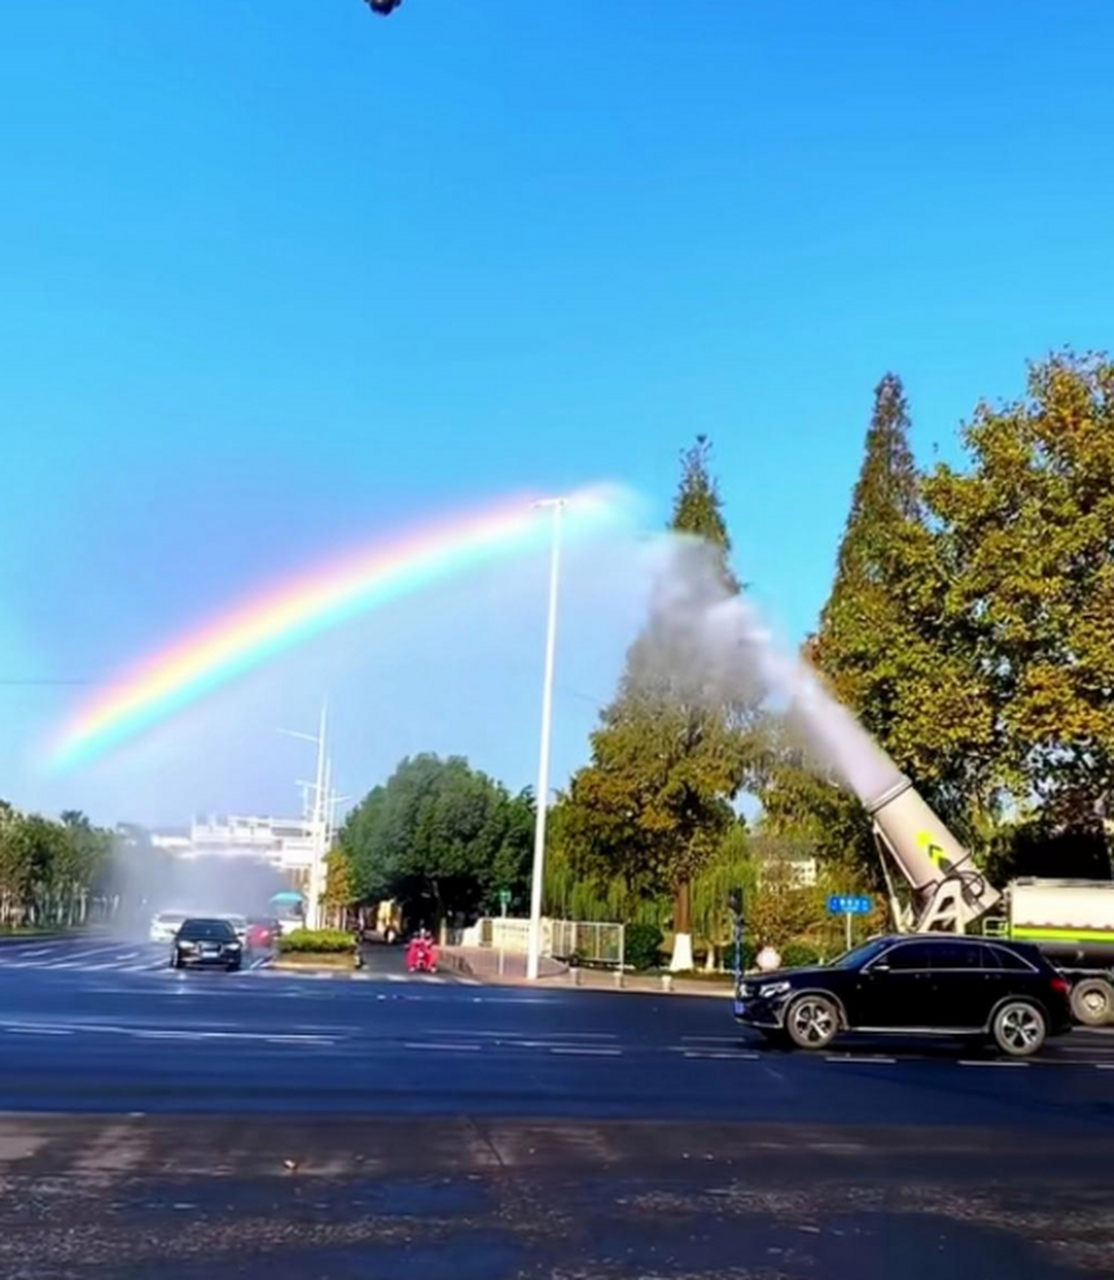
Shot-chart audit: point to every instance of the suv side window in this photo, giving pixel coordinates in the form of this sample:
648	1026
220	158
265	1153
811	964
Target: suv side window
961	955
1009	960
908	956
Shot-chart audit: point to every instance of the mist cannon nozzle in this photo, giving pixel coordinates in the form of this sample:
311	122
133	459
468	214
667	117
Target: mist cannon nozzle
951	890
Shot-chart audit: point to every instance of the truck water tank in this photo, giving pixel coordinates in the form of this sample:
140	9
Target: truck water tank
1071	920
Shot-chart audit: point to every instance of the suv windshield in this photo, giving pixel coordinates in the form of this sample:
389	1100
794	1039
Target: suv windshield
207	930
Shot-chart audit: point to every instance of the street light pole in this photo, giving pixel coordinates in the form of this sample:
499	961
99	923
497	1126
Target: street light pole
533	949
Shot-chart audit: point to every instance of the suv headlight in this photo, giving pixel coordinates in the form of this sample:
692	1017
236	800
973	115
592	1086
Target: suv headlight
772	989
187	946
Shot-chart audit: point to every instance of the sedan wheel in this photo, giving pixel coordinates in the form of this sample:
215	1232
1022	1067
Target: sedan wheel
1019	1029
811	1022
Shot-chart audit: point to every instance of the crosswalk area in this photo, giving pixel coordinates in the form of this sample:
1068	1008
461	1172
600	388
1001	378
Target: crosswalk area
106	957
61	955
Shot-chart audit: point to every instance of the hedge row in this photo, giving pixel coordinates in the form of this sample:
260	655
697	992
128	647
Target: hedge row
316	942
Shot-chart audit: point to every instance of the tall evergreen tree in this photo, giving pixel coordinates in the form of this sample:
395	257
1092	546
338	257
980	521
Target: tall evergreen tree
672	750
892	650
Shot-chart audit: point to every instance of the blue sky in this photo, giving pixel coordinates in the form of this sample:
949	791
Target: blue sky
279	277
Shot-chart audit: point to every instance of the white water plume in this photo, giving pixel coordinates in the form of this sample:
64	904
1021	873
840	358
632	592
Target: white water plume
696	622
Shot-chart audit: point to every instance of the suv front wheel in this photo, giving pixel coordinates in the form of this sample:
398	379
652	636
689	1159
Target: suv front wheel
1019	1028
811	1022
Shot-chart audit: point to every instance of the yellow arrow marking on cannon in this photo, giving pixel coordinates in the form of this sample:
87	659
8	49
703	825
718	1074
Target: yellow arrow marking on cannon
928	845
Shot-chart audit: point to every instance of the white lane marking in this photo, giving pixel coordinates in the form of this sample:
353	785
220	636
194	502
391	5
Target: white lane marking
151	1033
991	1062
510	1033
711	1039
73	957
30	1030
587	1051
442	1048
713	1055
859	1058
39	951
1104	1066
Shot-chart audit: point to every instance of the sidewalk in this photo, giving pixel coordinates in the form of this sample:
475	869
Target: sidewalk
483	963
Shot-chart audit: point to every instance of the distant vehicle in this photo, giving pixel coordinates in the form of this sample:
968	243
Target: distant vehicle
263	933
289	909
165	925
208	942
239	923
1007	993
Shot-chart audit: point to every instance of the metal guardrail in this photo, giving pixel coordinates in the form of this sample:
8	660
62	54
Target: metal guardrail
585	942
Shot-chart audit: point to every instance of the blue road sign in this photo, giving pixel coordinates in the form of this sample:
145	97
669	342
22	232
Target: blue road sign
850	904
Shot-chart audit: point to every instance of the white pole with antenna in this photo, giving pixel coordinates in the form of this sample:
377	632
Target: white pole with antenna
533	949
317	819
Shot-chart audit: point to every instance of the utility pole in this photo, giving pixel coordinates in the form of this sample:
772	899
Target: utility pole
533	949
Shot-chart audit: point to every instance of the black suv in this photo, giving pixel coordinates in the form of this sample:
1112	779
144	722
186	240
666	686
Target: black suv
922	984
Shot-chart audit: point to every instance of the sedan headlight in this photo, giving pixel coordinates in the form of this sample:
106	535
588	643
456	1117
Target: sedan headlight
772	989
232	946
187	946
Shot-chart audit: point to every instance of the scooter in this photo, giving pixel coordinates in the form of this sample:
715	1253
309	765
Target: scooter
421	955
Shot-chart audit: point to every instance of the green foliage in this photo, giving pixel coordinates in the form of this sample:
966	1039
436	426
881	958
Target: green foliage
652	807
642	946
1027	537
698	508
781	908
731	867
890	648
316	942
440	837
340	879
49	870
800	955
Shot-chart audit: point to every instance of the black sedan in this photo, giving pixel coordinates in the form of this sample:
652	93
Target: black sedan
921	984
206	943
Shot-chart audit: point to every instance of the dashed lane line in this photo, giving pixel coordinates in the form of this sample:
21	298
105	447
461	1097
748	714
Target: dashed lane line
992	1062
442	1048
861	1058
585	1051
719	1055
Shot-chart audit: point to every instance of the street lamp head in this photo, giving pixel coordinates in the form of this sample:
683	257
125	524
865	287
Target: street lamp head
540	503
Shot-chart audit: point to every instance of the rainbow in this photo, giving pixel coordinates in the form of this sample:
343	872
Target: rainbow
293	611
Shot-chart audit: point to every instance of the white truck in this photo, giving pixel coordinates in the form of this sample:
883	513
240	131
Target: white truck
1072	921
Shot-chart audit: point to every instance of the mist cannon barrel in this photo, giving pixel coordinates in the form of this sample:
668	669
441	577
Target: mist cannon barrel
928	855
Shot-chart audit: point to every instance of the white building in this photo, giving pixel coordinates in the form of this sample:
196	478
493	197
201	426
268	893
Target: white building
285	843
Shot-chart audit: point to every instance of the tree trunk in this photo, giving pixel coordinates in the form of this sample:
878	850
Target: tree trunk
682	929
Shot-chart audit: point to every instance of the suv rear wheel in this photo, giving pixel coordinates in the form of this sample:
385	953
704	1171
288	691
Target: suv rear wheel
811	1022
1019	1028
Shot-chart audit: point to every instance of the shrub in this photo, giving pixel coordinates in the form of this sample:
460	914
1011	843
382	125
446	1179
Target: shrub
642	945
799	954
317	941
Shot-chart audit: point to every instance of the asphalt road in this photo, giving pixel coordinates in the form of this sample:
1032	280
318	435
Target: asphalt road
262	1123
